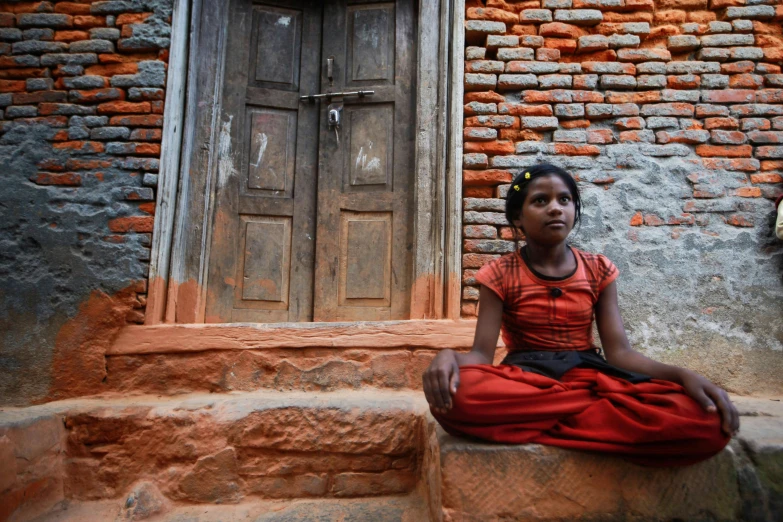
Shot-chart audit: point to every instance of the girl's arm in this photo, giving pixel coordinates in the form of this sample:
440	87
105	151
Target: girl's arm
619	353
441	379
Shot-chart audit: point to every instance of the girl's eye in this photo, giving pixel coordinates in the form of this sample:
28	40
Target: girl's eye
539	200
565	199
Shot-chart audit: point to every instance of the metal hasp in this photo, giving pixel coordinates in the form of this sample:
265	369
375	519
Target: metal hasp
330	95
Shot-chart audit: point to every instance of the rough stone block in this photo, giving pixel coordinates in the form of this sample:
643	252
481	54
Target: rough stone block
609	68
746	53
661	151
496	41
612	81
57	21
651	68
92	46
484	66
579	16
676	95
105	33
714	81
47	60
616	41
535	15
683	43
598	110
10	34
555	81
742	26
756	12
662	122
643	55
511	82
39	33
484	27
569	110
595	42
570	136
713	54
538	122
518	53
473	82
717	27
727	40
37	47
651	81
692	68
528	67
475	53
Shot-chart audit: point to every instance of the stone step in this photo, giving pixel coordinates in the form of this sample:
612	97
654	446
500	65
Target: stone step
215	449
408	508
176	359
531	482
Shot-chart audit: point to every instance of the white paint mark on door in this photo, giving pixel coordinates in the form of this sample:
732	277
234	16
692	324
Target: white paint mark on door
284	21
261	141
225	161
362	162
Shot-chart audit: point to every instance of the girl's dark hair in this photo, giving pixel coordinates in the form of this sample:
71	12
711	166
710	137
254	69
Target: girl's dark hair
515	198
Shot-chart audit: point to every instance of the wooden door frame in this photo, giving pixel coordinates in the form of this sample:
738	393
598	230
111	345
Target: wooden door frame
195	134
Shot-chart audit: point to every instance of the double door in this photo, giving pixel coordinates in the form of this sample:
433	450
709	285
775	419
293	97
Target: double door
312	219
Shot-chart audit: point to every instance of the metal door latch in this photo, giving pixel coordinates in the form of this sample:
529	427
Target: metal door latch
330	95
334	118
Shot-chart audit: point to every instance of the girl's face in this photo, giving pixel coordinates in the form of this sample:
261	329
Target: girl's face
547	215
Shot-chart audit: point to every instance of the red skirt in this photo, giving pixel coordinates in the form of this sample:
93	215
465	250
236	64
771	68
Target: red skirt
650	423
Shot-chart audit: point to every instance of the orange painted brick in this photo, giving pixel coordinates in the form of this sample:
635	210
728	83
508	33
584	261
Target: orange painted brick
484	97
12	86
112	69
739	220
575	124
766	178
88	22
132	224
486	177
72	8
132	18
126	58
565	46
81	146
148	149
721	123
748	192
521	135
490	147
522	109
768	165
489	13
84	164
569	149
724	151
71	36
147	120
66	179
123	107
479	192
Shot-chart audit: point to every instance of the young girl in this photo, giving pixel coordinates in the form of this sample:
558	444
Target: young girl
554	387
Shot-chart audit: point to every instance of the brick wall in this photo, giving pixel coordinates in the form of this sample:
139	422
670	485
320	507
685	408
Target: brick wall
81	115
670	115
585	83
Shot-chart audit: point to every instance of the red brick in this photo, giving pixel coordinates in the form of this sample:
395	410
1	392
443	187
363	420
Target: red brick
746	81
148	149
575	124
132	18
67	179
112	69
547	54
633	136
744	66
682	219
146	135
29	98
553	96
587	97
741	164
721	123
561	30
748	192
146	120
484	97
521	135
7	20
766	178
148	208
126	58
80	146
608	55
523	30
504	122
12	86
97	95
601	136
490	147
82	164
132	224
469	309
768	165
569	149
687	81
724	151
739	220
634	16
651	220
71	36
72	8
123	107
478	192
563	45
637	220
633	97
486	177
521	109
634	123
88	22
769	96
477	260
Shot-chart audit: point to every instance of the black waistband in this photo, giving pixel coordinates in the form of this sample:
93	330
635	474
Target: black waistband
555	364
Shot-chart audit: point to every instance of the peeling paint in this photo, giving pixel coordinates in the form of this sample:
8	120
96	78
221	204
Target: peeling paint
225	160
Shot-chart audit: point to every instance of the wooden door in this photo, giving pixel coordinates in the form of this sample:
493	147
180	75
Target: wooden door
363	252
263	238
305	227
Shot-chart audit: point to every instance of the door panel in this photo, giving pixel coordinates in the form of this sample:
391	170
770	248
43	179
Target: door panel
363	252
262	255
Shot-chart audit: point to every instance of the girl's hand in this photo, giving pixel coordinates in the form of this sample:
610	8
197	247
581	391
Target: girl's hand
712	398
441	381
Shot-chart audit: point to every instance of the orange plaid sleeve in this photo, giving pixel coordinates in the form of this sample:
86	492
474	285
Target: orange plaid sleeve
493	275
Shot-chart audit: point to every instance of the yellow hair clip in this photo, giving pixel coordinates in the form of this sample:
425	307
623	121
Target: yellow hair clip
527	175
516	187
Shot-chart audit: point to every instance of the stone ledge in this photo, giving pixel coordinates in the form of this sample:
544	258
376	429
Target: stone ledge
744	482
